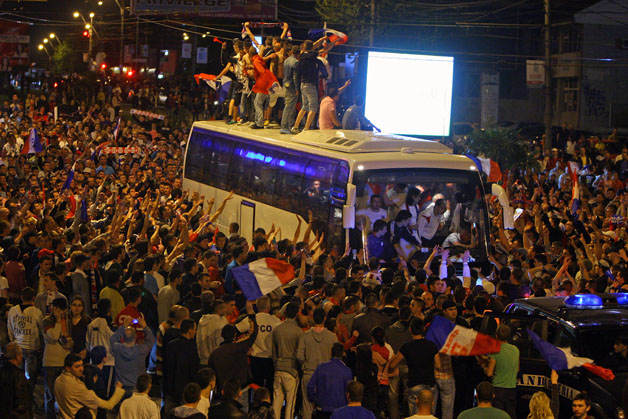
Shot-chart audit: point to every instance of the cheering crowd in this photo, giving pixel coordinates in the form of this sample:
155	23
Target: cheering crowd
115	279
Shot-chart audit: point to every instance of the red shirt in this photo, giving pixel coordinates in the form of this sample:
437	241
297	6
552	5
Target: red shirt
133	313
264	78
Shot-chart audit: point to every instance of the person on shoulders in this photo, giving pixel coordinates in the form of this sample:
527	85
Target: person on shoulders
484	410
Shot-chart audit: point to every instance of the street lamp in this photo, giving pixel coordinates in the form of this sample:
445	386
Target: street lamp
41	47
54	36
90	27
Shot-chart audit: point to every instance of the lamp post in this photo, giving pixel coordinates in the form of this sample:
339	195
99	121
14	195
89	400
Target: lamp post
90	27
121	7
55	37
41	47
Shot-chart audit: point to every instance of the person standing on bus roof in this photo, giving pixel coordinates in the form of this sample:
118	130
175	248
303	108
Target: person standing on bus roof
308	70
327	118
264	79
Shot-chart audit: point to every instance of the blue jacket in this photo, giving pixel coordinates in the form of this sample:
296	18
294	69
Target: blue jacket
229	277
328	385
130	360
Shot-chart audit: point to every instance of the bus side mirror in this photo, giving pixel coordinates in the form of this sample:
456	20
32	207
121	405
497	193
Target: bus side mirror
348	216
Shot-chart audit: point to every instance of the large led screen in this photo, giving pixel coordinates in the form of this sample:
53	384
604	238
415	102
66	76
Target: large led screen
409	94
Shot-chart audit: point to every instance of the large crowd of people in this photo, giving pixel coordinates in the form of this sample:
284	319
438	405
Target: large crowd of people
114	279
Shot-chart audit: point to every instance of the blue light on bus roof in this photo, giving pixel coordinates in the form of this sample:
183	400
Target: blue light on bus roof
584	301
622	298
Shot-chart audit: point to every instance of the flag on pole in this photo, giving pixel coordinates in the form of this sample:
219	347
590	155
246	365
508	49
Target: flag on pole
456	340
116	130
333	35
84	216
33	144
560	359
575	187
69	178
262	276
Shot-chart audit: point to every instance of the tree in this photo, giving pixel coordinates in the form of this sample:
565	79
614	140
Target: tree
354	16
502	146
62	59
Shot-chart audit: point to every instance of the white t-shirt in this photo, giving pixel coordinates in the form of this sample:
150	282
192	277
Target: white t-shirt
203	405
373	215
266	323
428	222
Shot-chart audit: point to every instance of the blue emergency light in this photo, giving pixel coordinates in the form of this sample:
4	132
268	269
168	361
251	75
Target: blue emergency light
622	298
584	301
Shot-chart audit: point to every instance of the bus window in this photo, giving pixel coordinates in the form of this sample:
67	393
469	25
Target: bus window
221	156
317	184
196	167
240	169
288	183
263	175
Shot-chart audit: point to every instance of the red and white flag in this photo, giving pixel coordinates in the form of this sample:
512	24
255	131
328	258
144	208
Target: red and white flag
456	340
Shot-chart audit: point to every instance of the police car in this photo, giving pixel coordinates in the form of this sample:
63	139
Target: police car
587	324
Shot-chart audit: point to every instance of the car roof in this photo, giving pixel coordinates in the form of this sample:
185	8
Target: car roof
611	314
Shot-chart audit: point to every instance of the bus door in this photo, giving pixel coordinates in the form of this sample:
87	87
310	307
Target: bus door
247	220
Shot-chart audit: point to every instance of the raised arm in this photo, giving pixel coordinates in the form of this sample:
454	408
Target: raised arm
251	36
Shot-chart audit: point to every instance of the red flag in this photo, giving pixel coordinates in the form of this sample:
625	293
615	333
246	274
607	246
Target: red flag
605	373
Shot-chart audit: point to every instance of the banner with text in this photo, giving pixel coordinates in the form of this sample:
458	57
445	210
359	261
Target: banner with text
535	73
489	100
237	9
14	40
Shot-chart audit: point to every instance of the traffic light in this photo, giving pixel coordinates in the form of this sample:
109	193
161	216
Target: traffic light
86	34
103	66
130	73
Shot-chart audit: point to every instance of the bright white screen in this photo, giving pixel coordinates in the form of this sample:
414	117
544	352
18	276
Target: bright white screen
409	94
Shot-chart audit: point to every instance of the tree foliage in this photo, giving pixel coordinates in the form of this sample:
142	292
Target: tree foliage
62	59
354	17
503	146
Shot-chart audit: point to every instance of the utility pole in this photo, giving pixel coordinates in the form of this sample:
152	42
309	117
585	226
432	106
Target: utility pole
372	32
137	37
121	7
548	78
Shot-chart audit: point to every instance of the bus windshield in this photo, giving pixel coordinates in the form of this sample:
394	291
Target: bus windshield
446	207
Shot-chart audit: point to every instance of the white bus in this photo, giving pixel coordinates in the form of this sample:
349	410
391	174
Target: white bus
332	173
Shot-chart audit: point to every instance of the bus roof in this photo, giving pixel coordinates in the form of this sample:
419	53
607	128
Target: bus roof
362	147
348	141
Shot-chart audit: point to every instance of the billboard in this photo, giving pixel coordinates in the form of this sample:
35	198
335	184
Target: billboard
14	42
237	9
409	93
